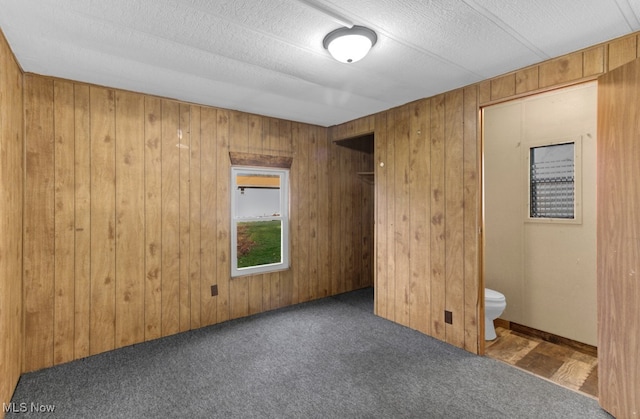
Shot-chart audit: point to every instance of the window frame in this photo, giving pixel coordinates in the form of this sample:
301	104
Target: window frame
577	198
283	173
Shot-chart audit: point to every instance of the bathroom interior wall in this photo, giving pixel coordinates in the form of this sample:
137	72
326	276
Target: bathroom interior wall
546	270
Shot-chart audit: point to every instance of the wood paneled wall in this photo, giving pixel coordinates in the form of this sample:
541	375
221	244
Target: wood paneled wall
618	230
428	192
127	218
568	69
427	213
427	206
11	189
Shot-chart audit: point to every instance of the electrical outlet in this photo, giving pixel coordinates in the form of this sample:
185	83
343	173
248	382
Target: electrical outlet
214	290
448	317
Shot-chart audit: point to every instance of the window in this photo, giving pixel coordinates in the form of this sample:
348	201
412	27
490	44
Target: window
554	182
259	220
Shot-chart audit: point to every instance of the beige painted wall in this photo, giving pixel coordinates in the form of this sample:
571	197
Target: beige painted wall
547	271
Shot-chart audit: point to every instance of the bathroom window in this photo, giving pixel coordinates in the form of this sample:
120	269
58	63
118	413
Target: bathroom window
259	222
554	182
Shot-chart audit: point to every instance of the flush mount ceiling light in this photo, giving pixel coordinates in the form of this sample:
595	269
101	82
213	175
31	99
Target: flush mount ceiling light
349	45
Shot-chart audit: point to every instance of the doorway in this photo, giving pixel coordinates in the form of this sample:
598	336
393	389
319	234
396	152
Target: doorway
540	230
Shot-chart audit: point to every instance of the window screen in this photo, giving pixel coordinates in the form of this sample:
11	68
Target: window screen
552	181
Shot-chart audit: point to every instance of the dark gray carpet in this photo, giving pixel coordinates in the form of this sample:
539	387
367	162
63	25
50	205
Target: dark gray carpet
330	358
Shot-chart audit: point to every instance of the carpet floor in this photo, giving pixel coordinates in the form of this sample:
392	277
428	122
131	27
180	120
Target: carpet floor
329	358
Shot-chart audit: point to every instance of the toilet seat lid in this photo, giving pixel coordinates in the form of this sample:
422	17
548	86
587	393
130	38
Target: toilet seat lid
491	295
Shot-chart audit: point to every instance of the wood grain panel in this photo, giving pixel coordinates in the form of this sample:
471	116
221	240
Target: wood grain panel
239	134
82	221
39	224
282	281
503	86
365	125
324	207
255	133
64	191
454	215
381	285
239	286
334	220
272	285
153	218
286	277
195	219
271	281
355	128
280	144
347	227
561	70
285	138
593	61
170	181
256	136
438	227
390	166
11	222
271	291
301	210
621	51
473	292
618	230
485	91
103	224
184	153
526	80
355	234
366	206
130	252
256	286
208	238
223	236
312	202
401	223
300	293
420	212
260	160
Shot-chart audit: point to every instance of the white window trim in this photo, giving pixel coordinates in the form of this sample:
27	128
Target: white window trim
577	156
284	216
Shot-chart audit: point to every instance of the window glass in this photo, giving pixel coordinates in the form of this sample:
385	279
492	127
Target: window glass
552	181
259	205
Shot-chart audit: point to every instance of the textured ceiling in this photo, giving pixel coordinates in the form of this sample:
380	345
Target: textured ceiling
266	56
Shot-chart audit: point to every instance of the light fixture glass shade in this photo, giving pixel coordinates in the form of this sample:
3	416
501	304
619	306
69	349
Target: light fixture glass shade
349	45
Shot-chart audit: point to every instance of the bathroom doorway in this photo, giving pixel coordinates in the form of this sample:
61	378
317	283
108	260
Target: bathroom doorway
539	177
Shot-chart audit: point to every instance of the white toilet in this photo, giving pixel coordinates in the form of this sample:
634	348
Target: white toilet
494	305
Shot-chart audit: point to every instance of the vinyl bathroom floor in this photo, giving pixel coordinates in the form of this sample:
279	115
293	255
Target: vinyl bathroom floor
561	364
